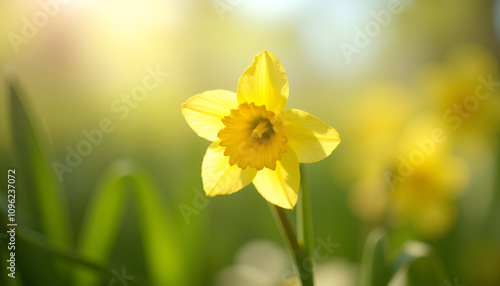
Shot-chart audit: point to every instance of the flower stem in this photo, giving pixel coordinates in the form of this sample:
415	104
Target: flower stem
300	249
304	228
285	228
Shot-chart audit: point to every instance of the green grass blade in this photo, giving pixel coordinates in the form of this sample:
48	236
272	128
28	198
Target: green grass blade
160	233
31	144
415	264
375	265
104	217
102	221
40	202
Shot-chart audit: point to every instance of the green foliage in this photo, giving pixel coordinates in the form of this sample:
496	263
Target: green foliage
38	193
375	264
103	217
415	264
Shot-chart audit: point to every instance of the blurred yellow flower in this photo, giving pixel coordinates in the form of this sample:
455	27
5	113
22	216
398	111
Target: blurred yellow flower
254	138
427	198
419	186
378	127
379	114
463	90
428	179
369	198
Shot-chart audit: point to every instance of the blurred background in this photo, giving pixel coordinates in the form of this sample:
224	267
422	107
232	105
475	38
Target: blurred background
411	86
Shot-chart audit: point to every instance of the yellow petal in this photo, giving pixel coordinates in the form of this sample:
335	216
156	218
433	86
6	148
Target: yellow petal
310	138
203	112
280	187
264	83
219	178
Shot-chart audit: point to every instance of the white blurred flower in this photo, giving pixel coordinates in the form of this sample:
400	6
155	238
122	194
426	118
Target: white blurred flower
263	263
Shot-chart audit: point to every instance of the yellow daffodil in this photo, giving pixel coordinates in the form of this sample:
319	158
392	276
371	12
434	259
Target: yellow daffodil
254	139
462	90
428	179
427	198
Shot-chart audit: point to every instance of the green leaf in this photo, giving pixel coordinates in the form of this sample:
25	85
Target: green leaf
416	265
374	264
31	144
40	202
104	216
162	242
102	221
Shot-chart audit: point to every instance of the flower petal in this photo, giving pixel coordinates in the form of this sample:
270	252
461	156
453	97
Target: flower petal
203	112
264	83
280	186
310	138
220	178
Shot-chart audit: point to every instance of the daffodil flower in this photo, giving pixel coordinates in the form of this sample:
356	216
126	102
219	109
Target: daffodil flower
254	139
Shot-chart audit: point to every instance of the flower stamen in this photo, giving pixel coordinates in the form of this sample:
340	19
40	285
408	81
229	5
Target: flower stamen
263	127
252	137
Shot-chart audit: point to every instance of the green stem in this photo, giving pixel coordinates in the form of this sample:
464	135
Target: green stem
286	229
300	249
305	228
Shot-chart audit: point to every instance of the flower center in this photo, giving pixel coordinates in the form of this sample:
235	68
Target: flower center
253	137
263	128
